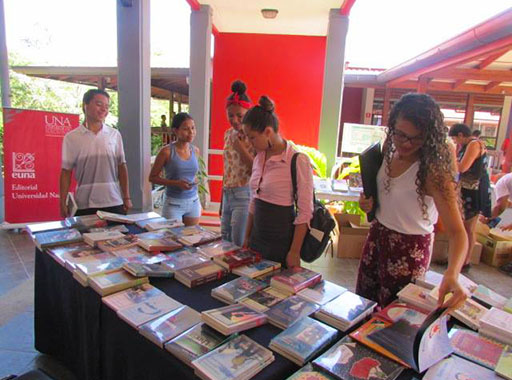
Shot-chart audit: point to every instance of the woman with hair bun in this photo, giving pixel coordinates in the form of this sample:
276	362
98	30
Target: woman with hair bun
273	228
238	156
415	185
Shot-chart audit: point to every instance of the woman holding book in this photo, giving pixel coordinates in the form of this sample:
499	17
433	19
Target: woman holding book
415	185
474	181
180	162
273	227
238	156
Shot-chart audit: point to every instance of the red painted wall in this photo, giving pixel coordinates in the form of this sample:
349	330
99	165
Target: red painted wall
289	69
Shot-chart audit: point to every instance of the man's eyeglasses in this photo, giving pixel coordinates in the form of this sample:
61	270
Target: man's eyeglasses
402	138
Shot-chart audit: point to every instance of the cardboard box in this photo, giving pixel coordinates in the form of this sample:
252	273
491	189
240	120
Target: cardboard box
351	239
476	254
440	248
494	252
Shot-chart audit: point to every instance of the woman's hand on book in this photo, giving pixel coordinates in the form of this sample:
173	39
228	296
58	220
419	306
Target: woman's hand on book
451	293
366	204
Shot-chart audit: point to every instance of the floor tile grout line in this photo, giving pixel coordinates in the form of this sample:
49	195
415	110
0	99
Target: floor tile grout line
19	256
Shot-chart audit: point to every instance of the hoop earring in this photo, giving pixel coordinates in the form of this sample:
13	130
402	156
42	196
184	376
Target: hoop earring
269	144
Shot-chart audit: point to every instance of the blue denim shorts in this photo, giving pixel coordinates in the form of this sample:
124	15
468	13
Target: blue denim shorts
175	208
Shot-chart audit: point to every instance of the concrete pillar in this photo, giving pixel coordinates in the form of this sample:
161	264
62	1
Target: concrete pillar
332	93
200	75
134	89
6	91
367	105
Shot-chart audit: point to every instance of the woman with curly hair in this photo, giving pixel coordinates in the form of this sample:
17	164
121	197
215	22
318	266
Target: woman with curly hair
416	184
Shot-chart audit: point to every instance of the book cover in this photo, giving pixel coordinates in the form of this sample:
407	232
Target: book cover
370	161
504	366
234	317
156	241
128	219
349	360
488	297
148	310
498	321
267	277
119	228
142	223
155	225
322	292
130	253
46	227
303	340
170	325
92	238
108	283
361	335
295	279
235	359
401	310
457	368
289	311
194	235
150	270
420	347
237	289
217	248
84	223
429	280
264	299
478	349
257	269
101	263
131	297
348	307
237	258
309	373
195	342
57	237
124	242
71	252
417	296
184	258
200	273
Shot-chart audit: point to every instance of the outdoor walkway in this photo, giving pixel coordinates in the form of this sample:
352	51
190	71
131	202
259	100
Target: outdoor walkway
17	353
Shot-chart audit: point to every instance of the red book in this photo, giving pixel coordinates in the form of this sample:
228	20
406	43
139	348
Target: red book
237	258
295	279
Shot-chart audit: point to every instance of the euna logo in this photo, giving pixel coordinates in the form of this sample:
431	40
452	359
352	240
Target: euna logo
23	165
56	125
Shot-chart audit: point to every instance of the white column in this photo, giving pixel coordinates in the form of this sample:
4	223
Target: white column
333	86
200	75
367	105
134	89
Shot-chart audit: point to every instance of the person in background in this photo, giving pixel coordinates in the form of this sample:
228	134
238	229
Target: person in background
503	193
472	166
94	151
476	133
415	185
238	156
179	159
273	228
166	138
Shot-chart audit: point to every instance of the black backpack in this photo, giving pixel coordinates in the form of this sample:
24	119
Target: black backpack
322	224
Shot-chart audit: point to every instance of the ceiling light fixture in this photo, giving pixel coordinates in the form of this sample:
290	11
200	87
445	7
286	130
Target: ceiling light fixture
269	13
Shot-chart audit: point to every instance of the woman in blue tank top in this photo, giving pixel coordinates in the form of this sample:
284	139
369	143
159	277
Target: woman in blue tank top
179	159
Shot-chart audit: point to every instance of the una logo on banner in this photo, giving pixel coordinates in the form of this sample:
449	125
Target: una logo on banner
56	126
23	165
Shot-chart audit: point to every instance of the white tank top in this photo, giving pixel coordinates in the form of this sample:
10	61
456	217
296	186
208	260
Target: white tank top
399	208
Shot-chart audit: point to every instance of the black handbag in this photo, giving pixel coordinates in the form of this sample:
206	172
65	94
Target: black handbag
321	225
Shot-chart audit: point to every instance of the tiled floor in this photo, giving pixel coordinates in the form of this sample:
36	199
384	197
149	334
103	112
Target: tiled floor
17	353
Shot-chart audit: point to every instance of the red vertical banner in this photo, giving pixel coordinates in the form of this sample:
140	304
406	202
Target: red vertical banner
32	163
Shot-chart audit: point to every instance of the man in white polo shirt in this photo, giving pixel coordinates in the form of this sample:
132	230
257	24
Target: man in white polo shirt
95	152
503	192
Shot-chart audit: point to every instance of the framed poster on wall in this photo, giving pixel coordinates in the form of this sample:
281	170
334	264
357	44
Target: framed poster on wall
358	137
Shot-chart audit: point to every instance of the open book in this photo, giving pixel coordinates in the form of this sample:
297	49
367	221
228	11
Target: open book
419	346
370	161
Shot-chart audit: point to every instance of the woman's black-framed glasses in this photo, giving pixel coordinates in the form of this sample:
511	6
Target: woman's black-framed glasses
402	138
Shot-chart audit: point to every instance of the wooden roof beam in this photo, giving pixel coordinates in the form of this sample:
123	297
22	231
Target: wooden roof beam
458	83
491	85
472	74
465	87
490	59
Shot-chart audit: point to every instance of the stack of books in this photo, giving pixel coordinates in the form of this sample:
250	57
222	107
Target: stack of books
194	235
194	343
148	309
345	311
233	318
85	223
170	325
217	248
497	324
200	274
353	361
303	340
55	238
233	291
131	296
135	253
290	311
237	258
119	228
416	295
143	222
239	358
264	299
149	270
124	242
488	298
322	292
154	224
184	258
108	283
257	269
35	228
126	219
93	238
267	277
96	265
432	279
295	279
158	241
72	253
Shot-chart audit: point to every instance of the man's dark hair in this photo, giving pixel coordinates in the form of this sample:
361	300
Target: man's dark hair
89	95
459	128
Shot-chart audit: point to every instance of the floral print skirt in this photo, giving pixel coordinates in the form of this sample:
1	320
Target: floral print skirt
391	260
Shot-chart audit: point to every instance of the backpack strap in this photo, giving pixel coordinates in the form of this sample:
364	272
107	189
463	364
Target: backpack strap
293	167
